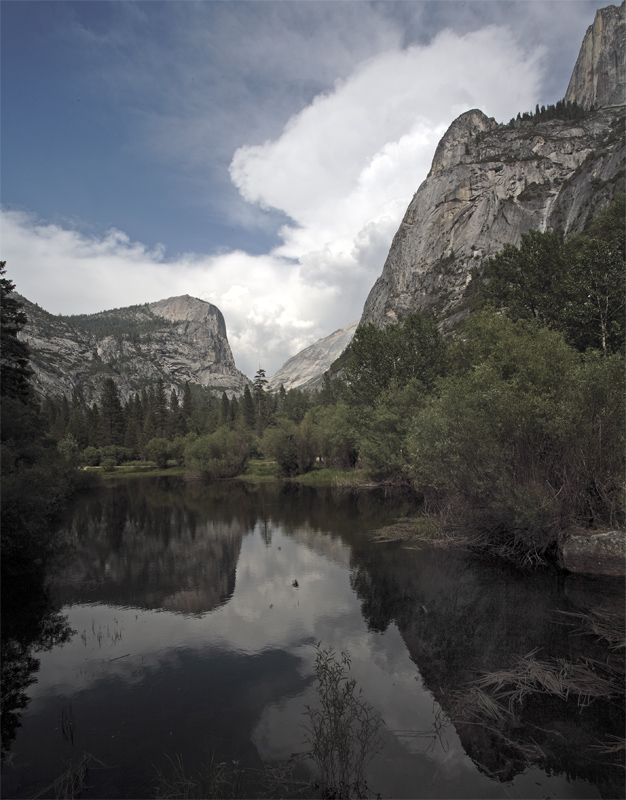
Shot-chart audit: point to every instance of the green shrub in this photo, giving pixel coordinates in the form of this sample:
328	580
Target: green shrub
279	443
158	450
90	457
108	464
524	443
223	454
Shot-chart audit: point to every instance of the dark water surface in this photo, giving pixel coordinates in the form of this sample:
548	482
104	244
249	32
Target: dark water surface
171	626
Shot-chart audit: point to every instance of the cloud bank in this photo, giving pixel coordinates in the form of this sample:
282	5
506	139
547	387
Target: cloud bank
342	172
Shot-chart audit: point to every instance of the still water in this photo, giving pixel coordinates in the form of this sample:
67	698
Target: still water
171	625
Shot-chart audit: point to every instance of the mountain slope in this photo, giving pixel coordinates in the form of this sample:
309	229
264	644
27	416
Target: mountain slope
490	183
179	339
305	369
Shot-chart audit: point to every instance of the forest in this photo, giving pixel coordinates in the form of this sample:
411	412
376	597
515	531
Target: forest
511	430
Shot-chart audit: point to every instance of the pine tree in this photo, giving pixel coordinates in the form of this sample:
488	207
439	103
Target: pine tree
14	354
111	416
248	410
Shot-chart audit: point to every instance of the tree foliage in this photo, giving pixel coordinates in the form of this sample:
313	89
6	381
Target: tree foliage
14	353
577	286
389	358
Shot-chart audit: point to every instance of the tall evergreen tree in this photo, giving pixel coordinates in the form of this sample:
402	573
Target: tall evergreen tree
248	410
111	416
14	353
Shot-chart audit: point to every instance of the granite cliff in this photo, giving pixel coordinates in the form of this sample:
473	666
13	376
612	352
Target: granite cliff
305	369
490	183
180	339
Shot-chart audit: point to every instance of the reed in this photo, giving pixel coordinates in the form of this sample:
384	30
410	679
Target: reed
217	779
607	624
343	730
73	781
585	680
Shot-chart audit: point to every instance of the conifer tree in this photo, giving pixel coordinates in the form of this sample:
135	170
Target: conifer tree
14	353
111	416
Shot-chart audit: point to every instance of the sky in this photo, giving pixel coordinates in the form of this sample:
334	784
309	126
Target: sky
258	155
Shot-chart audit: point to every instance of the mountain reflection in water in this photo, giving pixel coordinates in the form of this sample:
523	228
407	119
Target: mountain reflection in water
184	633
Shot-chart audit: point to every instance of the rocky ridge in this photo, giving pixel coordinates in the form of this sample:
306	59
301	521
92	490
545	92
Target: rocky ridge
179	339
490	183
306	368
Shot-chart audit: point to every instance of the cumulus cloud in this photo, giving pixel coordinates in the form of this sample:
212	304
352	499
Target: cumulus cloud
342	170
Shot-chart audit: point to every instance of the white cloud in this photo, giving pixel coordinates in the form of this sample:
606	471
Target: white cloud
343	170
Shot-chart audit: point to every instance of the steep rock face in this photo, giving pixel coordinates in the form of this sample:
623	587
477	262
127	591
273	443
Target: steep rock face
491	183
305	369
599	75
179	339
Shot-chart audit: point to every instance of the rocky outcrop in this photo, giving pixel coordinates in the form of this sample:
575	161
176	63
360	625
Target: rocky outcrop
590	553
599	75
306	368
490	183
180	339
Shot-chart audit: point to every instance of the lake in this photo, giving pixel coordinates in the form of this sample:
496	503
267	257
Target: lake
170	625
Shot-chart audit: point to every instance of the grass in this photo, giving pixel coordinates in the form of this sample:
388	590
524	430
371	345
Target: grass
216	779
266	470
336	478
495	694
260	470
137	468
73	782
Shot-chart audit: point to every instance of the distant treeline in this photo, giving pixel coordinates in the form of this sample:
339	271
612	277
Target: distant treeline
566	110
123	323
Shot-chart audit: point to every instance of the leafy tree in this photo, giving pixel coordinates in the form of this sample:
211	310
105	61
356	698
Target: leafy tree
390	357
337	434
279	443
158	450
576	287
525	439
223	454
383	431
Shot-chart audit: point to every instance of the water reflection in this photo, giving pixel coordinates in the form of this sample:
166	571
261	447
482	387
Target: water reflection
31	624
190	637
460	617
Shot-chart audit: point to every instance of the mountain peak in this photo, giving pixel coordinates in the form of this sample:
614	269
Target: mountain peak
598	78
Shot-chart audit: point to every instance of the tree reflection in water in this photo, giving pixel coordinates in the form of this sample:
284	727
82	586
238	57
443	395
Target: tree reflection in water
462	619
31	624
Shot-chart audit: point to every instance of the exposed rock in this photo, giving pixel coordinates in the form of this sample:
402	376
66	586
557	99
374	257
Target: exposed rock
589	553
180	339
305	369
491	183
599	75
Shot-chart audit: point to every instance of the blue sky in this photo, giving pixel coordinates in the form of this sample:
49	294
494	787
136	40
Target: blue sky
259	155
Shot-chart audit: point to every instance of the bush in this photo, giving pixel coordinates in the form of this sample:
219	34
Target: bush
116	452
384	429
108	464
295	448
223	454
90	457
526	442
278	443
158	450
